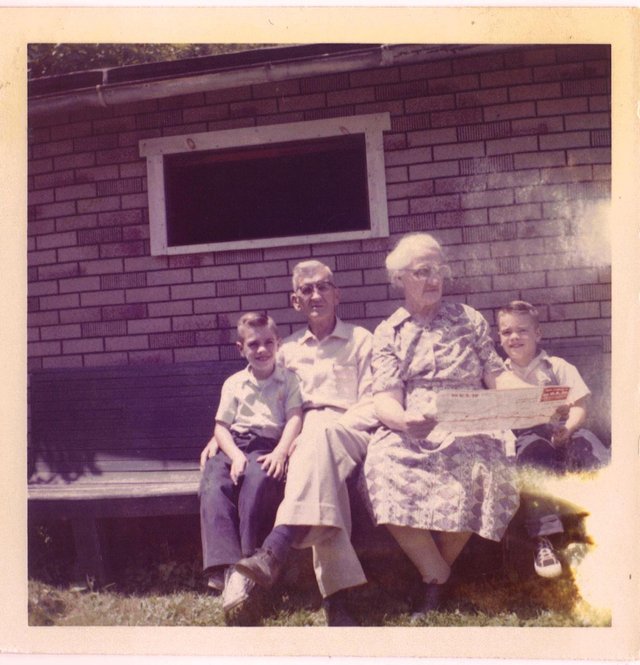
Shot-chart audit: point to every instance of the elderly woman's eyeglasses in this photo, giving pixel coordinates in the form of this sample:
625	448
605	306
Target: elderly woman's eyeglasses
322	287
428	272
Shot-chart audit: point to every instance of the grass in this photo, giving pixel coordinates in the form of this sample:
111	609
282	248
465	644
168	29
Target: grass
157	581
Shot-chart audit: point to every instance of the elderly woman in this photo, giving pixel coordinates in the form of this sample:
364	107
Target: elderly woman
431	488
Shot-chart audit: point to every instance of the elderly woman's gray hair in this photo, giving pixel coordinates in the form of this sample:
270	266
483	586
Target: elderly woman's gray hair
410	247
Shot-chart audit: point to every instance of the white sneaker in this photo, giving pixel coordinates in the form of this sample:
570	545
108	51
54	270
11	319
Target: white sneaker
546	561
237	589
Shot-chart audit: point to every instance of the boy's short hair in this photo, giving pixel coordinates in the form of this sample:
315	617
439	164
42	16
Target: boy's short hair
520	307
304	268
255	320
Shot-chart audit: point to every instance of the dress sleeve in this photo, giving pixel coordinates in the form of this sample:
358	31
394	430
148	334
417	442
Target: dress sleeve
385	361
228	406
485	348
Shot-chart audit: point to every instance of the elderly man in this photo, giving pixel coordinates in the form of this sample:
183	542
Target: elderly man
332	360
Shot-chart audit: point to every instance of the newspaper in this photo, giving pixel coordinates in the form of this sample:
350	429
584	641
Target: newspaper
480	410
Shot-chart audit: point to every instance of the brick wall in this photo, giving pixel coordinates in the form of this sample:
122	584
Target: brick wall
505	157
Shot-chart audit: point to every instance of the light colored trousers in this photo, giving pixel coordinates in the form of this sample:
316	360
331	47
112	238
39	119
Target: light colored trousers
328	449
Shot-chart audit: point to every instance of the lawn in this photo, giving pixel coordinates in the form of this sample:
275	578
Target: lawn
156	581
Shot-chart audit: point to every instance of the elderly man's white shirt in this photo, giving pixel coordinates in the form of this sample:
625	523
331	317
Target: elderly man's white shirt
333	372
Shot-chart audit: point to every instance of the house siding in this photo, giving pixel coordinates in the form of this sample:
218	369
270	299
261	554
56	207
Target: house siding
505	158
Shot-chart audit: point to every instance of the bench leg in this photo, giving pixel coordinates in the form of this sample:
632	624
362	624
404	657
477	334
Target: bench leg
90	566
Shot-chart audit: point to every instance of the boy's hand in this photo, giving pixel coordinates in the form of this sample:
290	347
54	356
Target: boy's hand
238	466
274	463
560	436
562	412
208	451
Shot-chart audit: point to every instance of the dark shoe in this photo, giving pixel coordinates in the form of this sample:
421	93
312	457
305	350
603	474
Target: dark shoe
263	568
335	611
216	578
430	601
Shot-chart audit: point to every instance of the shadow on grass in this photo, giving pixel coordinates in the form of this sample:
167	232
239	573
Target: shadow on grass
152	557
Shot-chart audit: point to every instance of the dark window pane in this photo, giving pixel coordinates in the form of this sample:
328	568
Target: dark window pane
271	191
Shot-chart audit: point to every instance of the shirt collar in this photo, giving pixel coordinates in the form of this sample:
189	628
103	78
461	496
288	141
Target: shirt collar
542	357
248	377
399	317
341	331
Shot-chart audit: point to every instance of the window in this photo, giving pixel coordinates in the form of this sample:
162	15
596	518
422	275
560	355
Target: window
316	181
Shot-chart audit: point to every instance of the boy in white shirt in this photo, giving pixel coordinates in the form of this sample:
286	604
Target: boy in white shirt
258	419
562	447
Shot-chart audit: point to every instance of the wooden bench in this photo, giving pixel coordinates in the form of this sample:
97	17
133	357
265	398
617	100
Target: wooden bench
118	442
125	442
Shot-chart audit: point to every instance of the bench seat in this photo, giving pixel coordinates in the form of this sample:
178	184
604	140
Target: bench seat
118	442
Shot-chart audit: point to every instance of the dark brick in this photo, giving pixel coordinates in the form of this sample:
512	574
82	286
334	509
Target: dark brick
124	280
55	179
119	312
104	328
114	125
132	248
487	130
479	63
408	223
101	142
487	164
324	83
593	292
601	137
120	218
97	173
240	287
475	234
161	119
172	340
351	261
580	88
117	155
96	236
122	186
238	256
571	53
334	112
415	88
410	123
562	72
459	117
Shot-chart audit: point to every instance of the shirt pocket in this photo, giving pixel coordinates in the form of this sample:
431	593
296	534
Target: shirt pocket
345	380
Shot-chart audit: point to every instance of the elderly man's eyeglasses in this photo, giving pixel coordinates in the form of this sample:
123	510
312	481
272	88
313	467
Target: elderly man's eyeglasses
322	287
428	272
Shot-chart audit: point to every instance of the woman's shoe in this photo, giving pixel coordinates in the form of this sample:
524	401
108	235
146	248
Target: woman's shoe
430	600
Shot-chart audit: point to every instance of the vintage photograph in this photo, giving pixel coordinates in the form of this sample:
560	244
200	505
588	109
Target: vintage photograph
319	334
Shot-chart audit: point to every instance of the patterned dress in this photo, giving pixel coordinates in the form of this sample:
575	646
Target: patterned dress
449	482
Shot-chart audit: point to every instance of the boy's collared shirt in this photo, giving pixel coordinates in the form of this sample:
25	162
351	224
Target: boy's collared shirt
260	406
334	372
546	370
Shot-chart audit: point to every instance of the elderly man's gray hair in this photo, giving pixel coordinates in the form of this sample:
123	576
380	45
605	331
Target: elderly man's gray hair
305	268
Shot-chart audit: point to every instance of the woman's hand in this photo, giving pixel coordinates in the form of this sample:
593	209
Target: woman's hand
418	426
274	463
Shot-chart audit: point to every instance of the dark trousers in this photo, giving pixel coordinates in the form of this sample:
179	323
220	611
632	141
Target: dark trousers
584	452
235	519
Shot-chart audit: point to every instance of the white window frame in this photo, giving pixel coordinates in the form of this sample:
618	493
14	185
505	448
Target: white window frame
371	125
